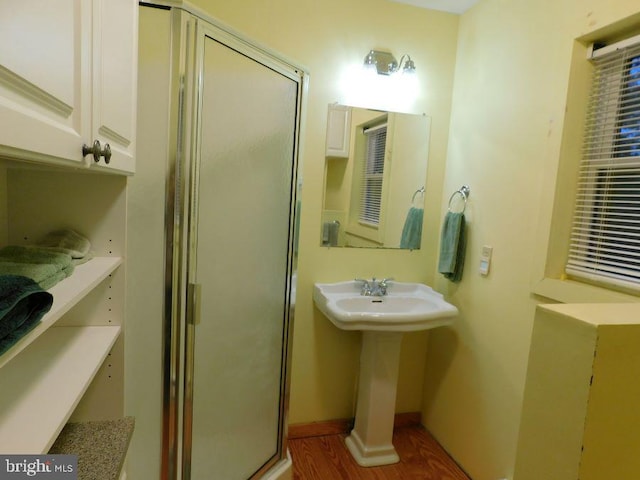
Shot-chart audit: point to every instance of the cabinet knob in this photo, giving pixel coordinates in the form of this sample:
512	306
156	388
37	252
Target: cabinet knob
94	150
97	152
106	153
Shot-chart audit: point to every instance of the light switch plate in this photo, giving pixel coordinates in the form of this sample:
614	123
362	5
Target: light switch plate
485	260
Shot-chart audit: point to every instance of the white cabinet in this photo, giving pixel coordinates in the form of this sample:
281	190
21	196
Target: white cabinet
68	73
338	131
68	78
115	47
45	71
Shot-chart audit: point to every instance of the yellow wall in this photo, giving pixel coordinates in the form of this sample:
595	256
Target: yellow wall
328	37
508	113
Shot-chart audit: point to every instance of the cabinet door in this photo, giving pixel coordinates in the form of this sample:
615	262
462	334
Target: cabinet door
115	47
338	131
44	67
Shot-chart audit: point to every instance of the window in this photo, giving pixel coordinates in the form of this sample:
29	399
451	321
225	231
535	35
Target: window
372	174
605	237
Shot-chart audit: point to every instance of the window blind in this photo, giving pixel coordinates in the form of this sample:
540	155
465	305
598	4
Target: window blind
605	236
372	174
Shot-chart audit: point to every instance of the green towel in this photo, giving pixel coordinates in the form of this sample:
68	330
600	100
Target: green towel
452	246
43	274
412	230
22	305
34	254
75	261
68	241
43	265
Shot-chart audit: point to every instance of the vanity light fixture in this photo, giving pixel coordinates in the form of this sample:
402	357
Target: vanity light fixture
384	63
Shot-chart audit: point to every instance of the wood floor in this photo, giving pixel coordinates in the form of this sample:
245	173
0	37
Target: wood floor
327	458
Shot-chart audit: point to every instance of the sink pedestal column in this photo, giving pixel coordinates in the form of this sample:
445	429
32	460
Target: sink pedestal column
370	440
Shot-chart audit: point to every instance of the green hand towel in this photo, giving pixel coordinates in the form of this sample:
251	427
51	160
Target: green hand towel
452	246
456	276
34	254
412	230
43	265
22	305
69	241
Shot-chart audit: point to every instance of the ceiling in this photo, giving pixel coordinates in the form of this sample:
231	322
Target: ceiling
453	6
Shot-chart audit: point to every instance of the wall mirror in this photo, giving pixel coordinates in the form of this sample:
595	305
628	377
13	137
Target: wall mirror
375	177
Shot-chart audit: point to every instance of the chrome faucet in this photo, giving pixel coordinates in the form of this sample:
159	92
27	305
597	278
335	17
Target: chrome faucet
366	286
373	287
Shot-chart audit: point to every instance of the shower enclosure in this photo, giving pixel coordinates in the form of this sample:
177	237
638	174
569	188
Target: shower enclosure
230	215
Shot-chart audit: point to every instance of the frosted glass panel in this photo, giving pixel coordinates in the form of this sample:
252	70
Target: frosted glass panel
247	151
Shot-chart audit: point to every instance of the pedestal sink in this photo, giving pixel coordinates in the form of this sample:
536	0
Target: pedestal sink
406	307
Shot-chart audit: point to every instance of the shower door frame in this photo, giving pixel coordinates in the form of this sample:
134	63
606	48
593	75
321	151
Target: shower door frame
189	29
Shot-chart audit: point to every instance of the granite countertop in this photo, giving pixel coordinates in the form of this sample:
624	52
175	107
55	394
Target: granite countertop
101	446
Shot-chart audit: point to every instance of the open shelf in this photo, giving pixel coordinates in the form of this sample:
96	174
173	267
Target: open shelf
41	387
101	446
65	295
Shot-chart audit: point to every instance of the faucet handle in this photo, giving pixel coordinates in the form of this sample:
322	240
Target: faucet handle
384	284
366	287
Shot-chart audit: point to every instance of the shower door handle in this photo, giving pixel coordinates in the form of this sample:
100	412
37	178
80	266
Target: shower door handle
193	295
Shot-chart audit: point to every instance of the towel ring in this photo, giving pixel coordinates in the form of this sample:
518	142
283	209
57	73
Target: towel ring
464	192
420	190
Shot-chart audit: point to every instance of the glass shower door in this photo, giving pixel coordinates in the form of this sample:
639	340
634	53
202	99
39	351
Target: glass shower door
241	254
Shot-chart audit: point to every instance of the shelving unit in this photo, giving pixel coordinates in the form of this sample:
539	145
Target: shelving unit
42	388
53	366
65	295
59	371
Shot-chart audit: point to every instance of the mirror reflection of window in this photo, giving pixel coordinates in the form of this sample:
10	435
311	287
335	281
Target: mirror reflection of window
370	161
373	174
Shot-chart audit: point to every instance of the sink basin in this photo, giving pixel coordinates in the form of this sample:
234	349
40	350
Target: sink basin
406	307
